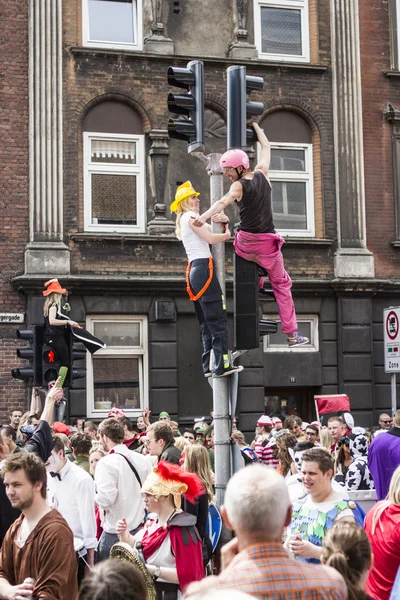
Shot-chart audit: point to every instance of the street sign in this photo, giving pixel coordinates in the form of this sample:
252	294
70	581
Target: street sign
214	525
391	339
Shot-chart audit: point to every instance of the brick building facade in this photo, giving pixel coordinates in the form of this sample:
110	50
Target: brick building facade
103	173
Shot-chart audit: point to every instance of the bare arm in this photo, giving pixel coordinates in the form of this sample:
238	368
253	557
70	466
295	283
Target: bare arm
265	156
235	193
59	322
206	234
55	394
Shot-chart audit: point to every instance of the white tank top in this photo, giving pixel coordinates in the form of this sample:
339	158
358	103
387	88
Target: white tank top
195	247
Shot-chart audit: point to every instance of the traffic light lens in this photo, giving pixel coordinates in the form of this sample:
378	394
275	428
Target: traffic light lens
50	356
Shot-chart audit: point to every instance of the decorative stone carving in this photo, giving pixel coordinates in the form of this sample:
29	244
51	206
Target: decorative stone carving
157	42
159	153
241	48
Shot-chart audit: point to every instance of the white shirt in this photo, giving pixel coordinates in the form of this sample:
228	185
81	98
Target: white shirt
73	497
195	247
118	491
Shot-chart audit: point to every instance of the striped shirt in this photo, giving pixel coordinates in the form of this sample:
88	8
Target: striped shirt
267	572
265	453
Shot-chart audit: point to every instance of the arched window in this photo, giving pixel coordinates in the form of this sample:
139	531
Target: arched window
114	169
291	173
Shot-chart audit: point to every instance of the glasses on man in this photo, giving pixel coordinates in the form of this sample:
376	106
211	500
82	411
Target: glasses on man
387	422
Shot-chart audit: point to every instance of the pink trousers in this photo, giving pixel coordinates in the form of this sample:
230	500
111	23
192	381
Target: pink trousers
265	250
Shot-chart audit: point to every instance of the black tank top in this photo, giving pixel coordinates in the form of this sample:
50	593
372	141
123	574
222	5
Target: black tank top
255	207
53	330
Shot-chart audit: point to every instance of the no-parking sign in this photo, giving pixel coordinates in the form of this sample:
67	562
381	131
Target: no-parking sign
391	339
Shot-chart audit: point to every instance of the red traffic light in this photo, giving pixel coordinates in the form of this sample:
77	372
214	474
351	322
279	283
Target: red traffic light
50	356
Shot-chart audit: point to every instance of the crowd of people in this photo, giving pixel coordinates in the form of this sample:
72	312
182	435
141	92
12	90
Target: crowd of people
74	497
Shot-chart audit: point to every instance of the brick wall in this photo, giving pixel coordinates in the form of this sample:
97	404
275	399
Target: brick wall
377	90
13	186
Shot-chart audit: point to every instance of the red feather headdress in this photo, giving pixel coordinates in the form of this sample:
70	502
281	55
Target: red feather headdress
168	479
171	472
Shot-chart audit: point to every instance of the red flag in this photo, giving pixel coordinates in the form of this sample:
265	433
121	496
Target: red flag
332	403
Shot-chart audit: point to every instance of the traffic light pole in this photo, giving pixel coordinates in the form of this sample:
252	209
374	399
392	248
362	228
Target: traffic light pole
220	385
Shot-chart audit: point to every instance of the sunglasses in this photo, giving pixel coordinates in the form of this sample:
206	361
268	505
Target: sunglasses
387	422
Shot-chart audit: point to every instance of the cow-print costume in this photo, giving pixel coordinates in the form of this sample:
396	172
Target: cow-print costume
358	476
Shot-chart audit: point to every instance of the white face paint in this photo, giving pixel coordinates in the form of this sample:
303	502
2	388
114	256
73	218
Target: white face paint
298	459
55	462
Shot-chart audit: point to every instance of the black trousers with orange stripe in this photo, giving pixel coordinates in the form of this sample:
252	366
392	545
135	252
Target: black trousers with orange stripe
211	314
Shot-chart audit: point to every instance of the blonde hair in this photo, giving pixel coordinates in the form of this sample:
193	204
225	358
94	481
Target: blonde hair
393	497
346	548
181	442
53	298
100	450
197	460
183	207
325	438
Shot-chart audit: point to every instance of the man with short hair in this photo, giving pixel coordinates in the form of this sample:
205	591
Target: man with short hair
264	446
312	434
33	420
91	430
257	508
384	457
385	421
119	477
160	442
71	491
8	437
15	419
336	428
114	580
39	544
81	445
319	508
189	435
294	423
131	437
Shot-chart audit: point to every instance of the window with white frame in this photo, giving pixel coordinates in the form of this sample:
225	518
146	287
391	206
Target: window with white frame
118	374
277	342
113	24
291	176
281	30
114	183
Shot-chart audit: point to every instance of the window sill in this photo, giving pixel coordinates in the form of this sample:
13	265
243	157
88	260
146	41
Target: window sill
121	237
86	50
396	244
392	73
298	241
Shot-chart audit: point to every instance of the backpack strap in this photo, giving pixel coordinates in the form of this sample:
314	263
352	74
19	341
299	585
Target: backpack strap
136	474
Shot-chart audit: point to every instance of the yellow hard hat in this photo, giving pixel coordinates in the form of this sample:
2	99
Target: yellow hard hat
184	191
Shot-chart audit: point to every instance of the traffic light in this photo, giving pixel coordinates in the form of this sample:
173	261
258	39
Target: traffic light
75	354
50	365
240	111
248	328
32	374
191	104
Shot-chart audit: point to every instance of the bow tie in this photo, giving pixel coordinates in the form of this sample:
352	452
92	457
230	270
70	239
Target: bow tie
55	475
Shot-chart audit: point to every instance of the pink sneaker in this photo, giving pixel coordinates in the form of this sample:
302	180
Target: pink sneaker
297	339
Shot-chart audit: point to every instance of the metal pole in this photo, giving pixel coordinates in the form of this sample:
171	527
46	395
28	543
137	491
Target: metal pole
222	420
393	390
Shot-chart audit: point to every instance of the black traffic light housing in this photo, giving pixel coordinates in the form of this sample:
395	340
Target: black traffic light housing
191	104
50	365
240	110
76	353
32	374
248	328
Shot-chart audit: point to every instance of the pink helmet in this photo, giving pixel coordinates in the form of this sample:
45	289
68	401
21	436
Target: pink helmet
234	158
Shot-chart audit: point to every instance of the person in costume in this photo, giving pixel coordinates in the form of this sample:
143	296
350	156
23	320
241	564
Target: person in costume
256	239
171	544
202	284
55	327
